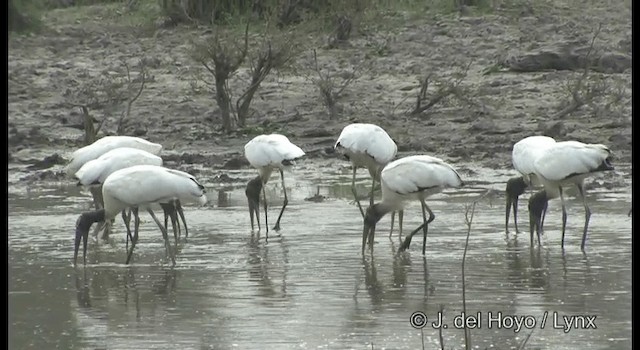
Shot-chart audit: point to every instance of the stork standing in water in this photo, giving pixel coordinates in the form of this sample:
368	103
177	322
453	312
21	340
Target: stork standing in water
524	153
267	153
409	178
566	163
138	187
100	147
369	146
94	172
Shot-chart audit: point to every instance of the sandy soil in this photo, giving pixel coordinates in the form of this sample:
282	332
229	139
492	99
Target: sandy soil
179	111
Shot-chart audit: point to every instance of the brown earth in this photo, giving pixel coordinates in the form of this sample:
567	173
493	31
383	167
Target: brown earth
178	110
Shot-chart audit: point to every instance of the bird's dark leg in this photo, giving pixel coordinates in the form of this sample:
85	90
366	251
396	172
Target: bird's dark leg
284	204
564	216
355	193
136	224
393	217
169	210
184	222
134	239
373	186
544	213
98	202
164	234
407	241
400	217
96	193
251	211
515	214
587	216
266	222
426	223
127	219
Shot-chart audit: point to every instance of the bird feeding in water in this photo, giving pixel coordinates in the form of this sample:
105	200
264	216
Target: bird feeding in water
139	187
369	146
524	153
267	153
566	163
94	172
100	147
409	178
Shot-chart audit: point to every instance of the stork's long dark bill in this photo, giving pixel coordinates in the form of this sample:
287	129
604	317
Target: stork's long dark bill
365	233
80	235
82	231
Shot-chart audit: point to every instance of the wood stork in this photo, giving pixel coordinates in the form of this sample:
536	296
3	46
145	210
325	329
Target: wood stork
139	187
413	177
369	146
106	144
94	172
524	153
565	163
267	153
100	147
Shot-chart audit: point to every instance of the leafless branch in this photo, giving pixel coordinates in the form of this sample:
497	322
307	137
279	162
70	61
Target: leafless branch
581	93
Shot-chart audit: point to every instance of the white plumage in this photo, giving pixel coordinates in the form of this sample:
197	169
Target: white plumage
416	177
266	153
104	145
369	146
524	154
95	171
139	187
526	151
366	145
569	162
142	185
410	178
565	163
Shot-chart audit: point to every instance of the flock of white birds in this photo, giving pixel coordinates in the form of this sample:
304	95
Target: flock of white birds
126	174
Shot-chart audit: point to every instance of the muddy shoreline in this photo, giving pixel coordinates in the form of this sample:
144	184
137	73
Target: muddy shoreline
177	110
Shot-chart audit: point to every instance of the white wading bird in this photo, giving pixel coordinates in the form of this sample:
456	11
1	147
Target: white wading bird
267	153
565	163
409	178
94	172
138	187
369	146
524	153
100	147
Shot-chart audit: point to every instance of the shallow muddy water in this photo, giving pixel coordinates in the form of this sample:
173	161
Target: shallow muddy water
309	287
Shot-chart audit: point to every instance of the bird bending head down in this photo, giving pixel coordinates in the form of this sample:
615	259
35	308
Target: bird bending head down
254	187
373	214
83	224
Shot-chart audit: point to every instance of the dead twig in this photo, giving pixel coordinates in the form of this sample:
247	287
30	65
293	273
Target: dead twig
468	218
424	101
125	114
581	92
329	91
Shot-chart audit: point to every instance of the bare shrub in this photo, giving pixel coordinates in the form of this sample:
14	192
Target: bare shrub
330	91
222	55
451	86
106	92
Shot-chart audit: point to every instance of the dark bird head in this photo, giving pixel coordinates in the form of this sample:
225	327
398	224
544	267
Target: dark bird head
515	188
606	164
373	214
254	187
83	224
537	204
